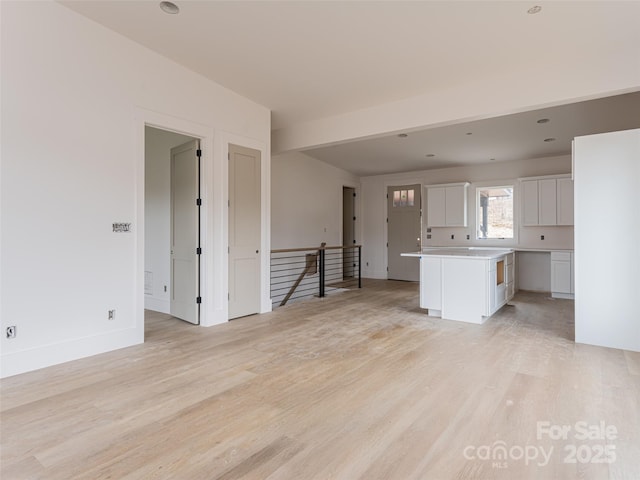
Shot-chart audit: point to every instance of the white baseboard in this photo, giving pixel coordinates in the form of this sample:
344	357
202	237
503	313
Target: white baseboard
567	296
47	355
375	274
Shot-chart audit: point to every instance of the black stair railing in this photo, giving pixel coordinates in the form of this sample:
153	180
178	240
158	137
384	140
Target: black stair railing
314	271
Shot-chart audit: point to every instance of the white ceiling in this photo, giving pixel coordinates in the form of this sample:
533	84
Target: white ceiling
509	137
307	60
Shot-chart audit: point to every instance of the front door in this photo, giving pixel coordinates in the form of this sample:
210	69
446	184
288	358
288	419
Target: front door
185	267
403	231
244	231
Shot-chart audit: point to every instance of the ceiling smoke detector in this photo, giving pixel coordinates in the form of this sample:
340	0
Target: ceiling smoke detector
170	8
534	10
543	120
402	135
430	155
550	139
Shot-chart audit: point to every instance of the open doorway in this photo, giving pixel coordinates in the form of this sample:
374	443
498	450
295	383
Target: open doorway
348	230
172	224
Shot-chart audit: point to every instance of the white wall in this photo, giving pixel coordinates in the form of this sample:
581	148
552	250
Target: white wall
306	201
157	214
607	245
374	216
75	97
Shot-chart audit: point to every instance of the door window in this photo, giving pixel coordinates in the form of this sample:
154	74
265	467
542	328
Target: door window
403	198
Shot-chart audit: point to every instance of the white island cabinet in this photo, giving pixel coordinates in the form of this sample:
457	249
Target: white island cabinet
462	284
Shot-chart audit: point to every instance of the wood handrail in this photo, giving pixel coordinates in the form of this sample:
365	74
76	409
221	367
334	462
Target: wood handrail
336	247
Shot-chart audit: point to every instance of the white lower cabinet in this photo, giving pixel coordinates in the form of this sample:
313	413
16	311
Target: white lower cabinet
562	274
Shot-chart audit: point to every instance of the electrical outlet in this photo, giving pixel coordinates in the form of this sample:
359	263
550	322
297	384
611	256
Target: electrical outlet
112	314
468	237
541	237
452	237
12	331
165	288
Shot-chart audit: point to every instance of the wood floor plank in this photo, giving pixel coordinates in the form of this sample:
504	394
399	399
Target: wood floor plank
358	385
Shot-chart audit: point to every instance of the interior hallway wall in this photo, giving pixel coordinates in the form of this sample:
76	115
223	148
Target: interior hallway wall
72	156
306	201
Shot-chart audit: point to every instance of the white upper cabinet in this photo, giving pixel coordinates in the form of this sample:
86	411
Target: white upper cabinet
456	206
547	201
447	205
529	190
436	207
565	201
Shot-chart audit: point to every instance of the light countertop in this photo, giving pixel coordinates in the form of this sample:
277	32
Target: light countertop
472	253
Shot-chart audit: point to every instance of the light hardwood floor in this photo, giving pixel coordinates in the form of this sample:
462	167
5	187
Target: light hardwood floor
359	385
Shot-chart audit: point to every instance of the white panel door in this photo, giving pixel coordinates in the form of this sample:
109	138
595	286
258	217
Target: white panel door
184	232
244	231
403	232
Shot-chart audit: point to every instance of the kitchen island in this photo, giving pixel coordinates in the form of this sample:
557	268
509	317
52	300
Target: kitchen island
465	284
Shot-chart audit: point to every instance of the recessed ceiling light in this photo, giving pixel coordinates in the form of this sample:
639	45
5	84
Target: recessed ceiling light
403	135
543	120
429	155
550	139
169	7
534	10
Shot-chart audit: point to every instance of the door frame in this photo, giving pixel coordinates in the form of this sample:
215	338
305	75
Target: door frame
147	118
357	211
214	181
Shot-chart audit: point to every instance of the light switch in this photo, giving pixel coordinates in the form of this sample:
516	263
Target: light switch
121	227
